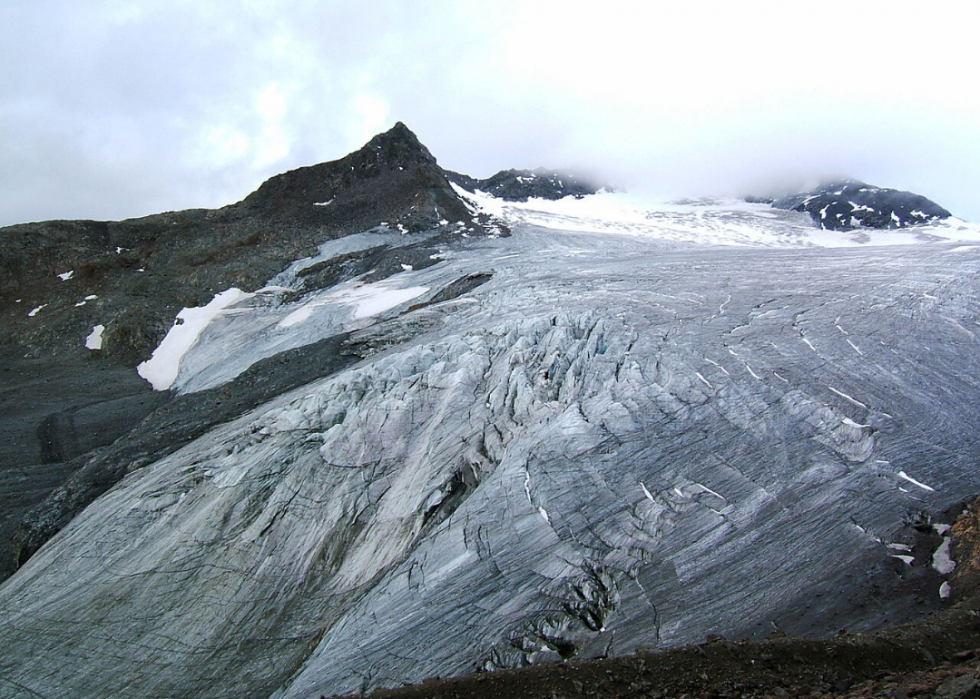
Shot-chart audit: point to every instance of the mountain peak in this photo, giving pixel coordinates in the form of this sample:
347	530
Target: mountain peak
398	146
393	178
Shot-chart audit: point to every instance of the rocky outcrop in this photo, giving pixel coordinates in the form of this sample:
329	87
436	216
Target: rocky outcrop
521	185
130	266
392	180
850	204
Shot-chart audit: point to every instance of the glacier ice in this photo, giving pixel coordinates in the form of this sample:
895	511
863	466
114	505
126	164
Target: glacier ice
620	438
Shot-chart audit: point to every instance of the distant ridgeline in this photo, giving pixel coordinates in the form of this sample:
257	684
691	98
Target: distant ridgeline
847	204
521	185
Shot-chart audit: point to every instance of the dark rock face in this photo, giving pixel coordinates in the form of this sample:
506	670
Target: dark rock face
849	204
52	413
521	185
394	172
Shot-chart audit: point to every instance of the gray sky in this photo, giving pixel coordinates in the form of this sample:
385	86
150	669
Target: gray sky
111	109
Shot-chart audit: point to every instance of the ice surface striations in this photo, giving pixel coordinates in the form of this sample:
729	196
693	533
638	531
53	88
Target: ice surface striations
593	434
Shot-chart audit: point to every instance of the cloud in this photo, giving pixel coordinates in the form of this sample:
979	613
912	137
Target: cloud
111	109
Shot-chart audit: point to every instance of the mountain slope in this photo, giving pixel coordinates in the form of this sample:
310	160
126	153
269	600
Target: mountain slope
849	204
431	452
62	279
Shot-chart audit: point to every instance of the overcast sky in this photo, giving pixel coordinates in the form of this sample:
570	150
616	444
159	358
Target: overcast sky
111	109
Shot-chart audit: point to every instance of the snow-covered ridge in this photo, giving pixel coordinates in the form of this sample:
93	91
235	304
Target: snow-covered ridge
706	221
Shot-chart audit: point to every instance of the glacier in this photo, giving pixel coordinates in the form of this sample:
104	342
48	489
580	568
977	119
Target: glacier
616	427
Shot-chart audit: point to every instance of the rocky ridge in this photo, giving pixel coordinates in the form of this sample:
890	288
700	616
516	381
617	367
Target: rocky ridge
849	204
521	185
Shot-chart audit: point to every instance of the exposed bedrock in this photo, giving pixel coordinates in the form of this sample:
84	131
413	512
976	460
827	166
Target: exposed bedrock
851	204
521	185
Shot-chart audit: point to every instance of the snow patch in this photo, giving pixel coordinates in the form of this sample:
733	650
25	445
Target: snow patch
848	398
368	300
941	560
714	363
35	311
903	474
711	492
374	299
94	340
162	367
65	276
297	316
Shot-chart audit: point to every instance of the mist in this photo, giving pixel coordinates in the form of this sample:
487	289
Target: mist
110	111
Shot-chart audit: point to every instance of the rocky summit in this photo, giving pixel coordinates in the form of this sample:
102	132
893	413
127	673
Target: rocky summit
380	422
